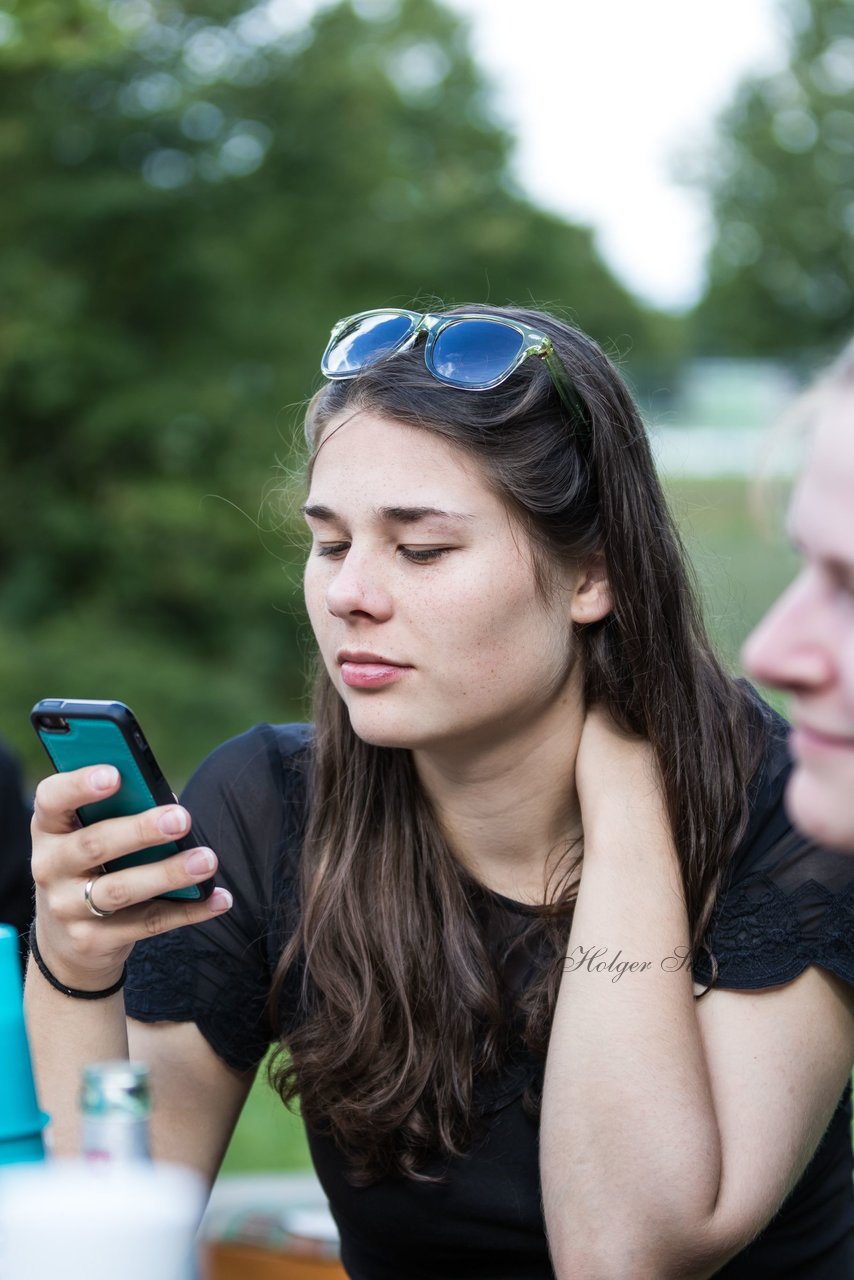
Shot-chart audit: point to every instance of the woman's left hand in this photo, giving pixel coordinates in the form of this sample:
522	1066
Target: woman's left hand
616	774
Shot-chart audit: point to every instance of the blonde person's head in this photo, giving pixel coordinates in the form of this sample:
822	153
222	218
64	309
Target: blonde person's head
805	644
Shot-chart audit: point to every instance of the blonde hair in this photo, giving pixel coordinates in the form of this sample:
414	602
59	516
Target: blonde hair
768	498
837	378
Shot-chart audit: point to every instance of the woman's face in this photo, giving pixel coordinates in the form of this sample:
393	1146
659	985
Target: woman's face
422	595
806	643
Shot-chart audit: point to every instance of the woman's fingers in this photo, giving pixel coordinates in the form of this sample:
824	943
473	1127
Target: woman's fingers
112	838
159	916
58	796
66	854
83	947
88	953
140	918
118	890
77	852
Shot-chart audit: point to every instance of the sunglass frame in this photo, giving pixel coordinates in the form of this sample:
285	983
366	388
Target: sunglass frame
535	343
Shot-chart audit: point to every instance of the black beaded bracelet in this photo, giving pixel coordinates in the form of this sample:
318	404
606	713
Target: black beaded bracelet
60	986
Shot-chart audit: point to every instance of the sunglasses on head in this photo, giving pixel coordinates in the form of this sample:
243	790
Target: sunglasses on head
468	350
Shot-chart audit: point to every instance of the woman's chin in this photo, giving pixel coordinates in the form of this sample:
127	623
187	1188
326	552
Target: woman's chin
382	731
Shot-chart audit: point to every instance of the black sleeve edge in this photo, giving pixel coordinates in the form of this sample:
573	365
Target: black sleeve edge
780	979
241	1065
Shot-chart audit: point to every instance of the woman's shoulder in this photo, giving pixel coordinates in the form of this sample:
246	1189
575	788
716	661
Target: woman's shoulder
250	791
785	902
259	753
286	739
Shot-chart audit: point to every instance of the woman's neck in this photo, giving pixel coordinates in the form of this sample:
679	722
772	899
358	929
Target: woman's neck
509	809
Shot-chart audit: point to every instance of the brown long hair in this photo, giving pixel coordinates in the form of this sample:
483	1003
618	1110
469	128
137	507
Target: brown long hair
403	1006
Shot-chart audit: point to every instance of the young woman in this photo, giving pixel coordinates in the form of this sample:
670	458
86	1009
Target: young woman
560	990
806	643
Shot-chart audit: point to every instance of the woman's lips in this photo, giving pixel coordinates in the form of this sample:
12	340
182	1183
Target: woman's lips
370	675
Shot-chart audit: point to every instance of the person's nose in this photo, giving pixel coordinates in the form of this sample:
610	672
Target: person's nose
358	588
790	647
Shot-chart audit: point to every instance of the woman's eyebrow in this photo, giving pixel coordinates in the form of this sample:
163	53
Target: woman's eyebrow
391	515
317	512
411	515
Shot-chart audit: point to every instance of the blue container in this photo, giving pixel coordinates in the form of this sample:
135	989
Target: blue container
21	1120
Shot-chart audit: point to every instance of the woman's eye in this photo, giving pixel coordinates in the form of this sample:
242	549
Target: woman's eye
424	555
416	555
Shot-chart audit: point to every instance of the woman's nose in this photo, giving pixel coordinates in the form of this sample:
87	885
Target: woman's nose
792	645
357	588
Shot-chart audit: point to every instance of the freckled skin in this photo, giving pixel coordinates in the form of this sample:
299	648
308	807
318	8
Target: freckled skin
490	660
806	642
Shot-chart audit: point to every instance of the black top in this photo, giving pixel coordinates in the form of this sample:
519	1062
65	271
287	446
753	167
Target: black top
788	904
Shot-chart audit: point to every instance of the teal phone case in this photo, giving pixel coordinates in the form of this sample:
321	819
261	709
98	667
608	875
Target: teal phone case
92	741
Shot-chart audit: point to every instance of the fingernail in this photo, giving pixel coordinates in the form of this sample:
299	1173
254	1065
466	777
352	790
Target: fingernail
200	861
104	778
220	900
172	822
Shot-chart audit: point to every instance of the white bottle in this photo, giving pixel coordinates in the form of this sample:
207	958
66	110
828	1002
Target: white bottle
81	1221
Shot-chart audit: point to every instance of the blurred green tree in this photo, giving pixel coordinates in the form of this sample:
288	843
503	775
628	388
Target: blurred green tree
192	196
781	271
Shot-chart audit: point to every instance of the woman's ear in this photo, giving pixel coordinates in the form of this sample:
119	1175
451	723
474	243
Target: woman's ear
591	598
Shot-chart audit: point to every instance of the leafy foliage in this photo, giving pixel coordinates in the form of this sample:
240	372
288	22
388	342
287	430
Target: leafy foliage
193	196
781	273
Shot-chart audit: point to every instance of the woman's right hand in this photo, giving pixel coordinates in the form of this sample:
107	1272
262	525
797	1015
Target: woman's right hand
84	950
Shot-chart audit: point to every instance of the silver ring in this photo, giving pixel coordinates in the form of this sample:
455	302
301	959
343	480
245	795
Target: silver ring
87	898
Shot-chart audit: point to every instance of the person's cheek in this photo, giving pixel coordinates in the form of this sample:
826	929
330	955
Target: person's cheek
846	670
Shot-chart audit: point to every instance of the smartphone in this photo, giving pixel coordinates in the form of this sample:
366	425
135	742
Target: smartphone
80	732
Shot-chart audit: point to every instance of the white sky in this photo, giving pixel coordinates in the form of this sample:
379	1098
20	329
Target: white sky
603	96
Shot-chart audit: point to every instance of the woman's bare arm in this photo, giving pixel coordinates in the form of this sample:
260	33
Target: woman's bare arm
196	1098
88	953
671	1129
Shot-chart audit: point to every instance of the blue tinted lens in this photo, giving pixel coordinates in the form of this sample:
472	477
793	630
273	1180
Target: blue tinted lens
475	353
366	342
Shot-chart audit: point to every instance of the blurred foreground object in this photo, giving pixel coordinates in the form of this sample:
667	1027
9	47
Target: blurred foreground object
270	1227
21	1121
115	1107
16	886
75	1220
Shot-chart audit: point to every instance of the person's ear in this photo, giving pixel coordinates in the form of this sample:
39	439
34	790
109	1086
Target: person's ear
591	598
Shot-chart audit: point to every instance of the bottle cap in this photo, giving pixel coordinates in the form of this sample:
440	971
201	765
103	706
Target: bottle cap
117	1087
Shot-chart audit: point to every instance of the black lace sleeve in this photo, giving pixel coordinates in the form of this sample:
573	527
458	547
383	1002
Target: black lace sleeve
788	903
247	804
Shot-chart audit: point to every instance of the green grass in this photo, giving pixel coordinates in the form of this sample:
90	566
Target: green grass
268	1136
740	569
740	574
